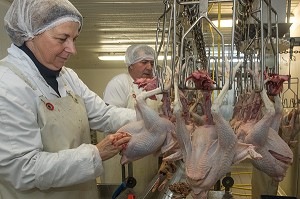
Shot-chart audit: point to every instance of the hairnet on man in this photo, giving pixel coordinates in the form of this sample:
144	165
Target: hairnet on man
139	52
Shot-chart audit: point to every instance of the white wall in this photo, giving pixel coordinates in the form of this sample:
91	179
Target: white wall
97	79
4	38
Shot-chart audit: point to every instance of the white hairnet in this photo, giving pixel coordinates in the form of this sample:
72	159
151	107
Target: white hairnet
136	53
28	18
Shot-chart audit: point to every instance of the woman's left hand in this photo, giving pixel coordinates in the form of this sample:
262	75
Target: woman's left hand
113	144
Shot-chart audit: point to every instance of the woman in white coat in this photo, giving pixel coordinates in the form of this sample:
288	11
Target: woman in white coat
47	112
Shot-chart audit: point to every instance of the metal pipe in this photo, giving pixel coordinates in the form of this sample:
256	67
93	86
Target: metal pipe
223	46
277	47
275	51
166	50
232	44
222	41
174	38
262	53
195	2
219	47
215	72
288	11
163	16
130	169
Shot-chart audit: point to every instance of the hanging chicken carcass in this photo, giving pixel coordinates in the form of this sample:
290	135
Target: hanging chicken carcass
211	149
260	127
151	134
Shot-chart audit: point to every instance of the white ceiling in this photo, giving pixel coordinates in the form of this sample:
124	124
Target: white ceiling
110	26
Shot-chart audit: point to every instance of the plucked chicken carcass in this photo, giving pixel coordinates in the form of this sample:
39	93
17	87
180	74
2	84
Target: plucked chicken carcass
251	110
147	84
262	132
275	83
201	80
150	133
290	127
211	149
277	156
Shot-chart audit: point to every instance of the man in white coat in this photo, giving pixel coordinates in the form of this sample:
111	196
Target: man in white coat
121	92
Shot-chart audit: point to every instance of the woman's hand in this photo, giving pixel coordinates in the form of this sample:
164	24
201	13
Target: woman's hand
113	144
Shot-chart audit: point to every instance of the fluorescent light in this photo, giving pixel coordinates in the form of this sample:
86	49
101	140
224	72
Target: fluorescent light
161	57
111	58
224	23
122	58
292	19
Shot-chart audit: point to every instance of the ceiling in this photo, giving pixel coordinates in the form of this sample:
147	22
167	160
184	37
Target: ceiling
110	26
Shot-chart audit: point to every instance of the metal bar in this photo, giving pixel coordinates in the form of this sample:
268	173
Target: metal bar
164	23
262	53
223	51
277	47
275	51
222	41
232	44
174	40
130	169
123	173
166	50
196	2
288	11
216	73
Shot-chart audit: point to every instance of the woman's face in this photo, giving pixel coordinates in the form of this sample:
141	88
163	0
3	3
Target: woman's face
53	47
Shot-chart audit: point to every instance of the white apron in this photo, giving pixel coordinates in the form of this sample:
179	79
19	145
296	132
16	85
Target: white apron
64	125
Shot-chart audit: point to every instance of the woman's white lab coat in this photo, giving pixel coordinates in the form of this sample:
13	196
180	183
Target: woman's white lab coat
22	159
